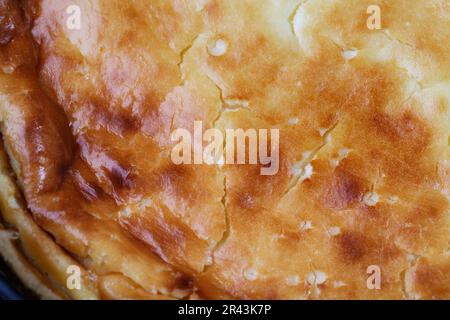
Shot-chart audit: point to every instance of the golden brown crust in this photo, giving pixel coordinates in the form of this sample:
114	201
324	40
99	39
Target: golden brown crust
428	279
87	115
39	262
24	270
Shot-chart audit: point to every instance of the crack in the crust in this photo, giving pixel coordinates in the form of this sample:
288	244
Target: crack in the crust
412	94
304	162
420	87
417	81
183	54
228	104
232	105
412	263
312	288
172	122
339	46
221	98
226	232
222	103
293	14
393	39
342	47
224	107
402	276
377	179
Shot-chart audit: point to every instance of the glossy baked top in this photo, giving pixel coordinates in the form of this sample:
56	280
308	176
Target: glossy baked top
87	116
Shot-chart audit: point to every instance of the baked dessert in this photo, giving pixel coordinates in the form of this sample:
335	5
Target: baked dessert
91	91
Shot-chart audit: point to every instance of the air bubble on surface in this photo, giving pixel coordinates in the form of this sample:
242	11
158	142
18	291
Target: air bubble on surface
251	274
8	69
371	199
334	231
349	54
293	121
217	47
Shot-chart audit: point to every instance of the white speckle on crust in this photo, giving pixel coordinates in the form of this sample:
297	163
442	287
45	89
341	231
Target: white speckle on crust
8	69
371	199
250	274
343	153
339	284
217	48
293	280
12	203
334	231
293	121
349	54
392	199
144	204
126	212
307	173
306	225
316	277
